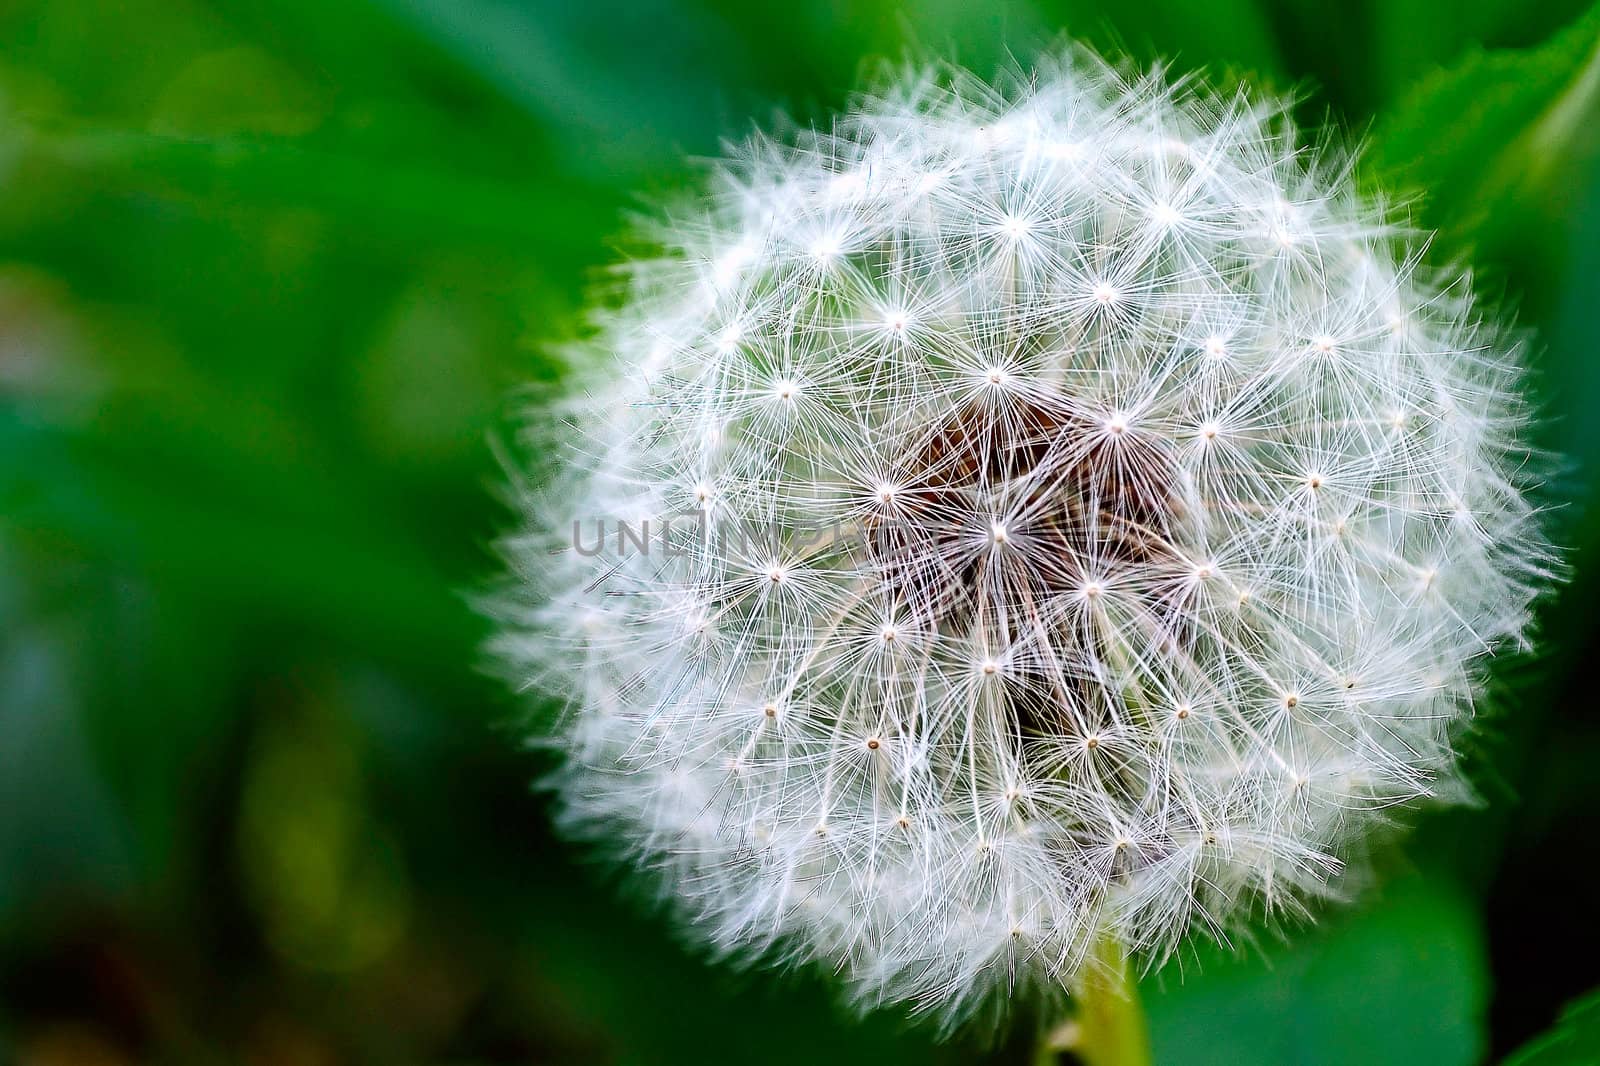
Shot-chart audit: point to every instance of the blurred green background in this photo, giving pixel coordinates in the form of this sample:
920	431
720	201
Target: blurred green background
271	275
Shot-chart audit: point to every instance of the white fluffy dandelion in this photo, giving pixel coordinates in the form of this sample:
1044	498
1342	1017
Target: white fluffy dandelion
1021	517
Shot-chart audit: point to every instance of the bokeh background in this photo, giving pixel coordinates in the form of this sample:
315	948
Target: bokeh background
272	274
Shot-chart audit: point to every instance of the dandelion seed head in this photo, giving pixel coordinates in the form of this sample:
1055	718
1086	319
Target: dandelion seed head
1181	505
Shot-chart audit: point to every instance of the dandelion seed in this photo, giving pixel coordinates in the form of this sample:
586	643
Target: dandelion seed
825	248
1164	215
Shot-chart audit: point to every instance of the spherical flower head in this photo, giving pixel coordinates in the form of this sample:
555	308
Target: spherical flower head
1021	516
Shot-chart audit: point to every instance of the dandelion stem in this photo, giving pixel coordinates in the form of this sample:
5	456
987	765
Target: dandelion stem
1109	1027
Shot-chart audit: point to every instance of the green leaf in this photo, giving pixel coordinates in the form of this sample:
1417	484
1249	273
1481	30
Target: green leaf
1408	38
1575	1040
1401	981
1497	139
